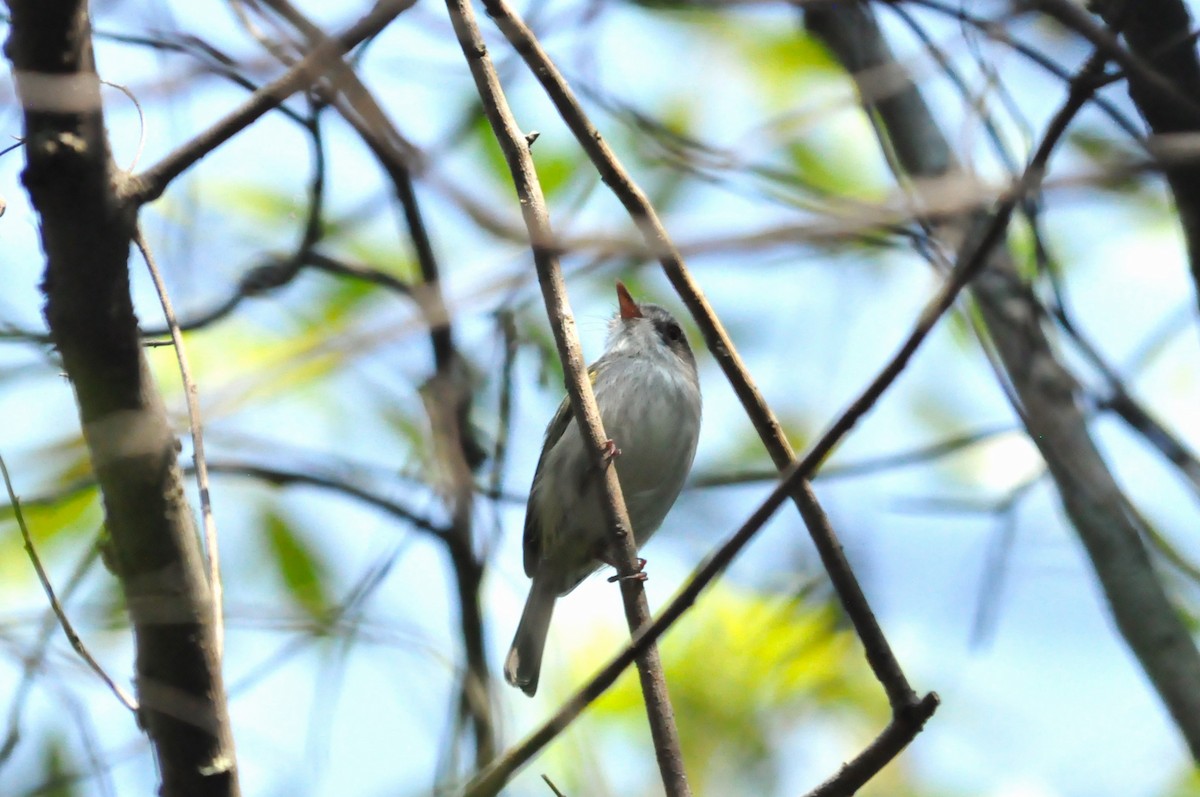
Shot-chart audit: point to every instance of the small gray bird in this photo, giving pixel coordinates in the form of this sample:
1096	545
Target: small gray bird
649	398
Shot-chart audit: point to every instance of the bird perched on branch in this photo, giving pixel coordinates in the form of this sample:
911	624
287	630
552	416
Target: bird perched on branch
648	394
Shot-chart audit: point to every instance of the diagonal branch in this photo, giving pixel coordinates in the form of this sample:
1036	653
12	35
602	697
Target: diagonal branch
447	395
908	718
208	522
719	343
149	185
1108	525
56	607
1157	32
533	208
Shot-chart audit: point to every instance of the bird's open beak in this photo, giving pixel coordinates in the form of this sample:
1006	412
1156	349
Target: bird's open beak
629	308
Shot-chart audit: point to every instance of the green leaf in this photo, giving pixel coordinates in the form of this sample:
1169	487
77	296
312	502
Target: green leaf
257	204
744	666
57	768
298	565
493	156
555	170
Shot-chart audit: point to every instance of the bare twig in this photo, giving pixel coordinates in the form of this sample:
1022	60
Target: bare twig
33	660
995	30
1107	524
149	185
1157	33
196	423
553	788
283	477
533	208
68	629
447	394
868	466
1136	67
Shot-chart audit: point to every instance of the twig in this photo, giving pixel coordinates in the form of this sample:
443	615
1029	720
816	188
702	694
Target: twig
865	467
1112	532
996	32
284	477
533	208
722	347
33	660
553	788
447	394
68	629
150	184
195	422
910	712
277	272
1136	68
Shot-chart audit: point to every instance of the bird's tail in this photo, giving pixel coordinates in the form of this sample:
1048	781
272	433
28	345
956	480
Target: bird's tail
524	662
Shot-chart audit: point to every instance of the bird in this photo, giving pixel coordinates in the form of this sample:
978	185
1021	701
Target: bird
648	392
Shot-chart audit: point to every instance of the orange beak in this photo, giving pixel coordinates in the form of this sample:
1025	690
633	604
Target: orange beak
629	308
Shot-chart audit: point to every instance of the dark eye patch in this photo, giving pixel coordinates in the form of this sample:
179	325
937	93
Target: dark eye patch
669	331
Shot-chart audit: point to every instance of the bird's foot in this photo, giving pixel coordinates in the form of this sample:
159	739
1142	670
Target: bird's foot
609	450
638	575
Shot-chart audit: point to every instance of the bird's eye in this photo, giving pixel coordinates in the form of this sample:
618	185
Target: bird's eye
673	333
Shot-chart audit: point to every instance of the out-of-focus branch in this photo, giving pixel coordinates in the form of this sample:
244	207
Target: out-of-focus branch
1110	528
1157	32
909	717
55	605
537	219
719	342
149	185
996	31
86	231
900	694
864	467
195	422
284	477
447	395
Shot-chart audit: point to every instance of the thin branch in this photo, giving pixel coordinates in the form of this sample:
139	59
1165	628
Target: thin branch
995	31
1137	68
533	208
279	271
865	467
447	395
283	477
909	716
1108	525
68	629
1129	409
196	424
149	185
33	661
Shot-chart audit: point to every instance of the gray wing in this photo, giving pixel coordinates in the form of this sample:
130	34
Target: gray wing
533	532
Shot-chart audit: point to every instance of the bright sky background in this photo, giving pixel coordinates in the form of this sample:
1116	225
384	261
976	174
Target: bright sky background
1050	705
